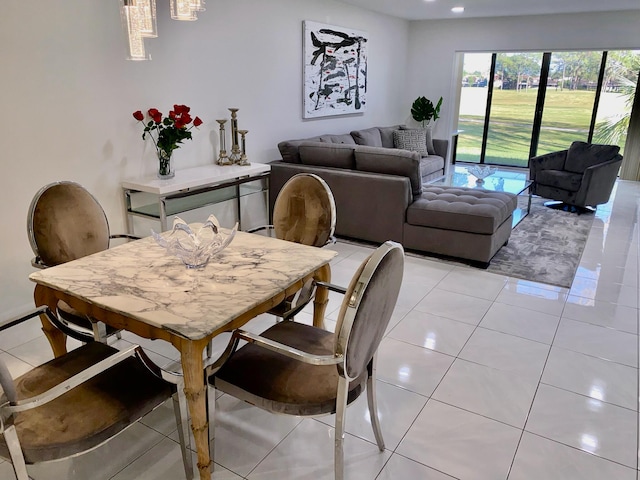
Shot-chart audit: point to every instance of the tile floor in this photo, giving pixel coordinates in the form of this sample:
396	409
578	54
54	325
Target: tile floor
480	377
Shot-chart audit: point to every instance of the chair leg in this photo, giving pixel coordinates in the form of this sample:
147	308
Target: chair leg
209	349
341	411
17	459
181	412
373	405
210	399
99	332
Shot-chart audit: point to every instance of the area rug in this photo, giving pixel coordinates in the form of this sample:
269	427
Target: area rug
545	247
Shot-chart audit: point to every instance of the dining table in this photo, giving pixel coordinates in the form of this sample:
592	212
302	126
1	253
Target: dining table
141	288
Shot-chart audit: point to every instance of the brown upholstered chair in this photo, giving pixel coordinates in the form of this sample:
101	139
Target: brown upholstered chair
76	402
66	222
578	178
297	369
304	212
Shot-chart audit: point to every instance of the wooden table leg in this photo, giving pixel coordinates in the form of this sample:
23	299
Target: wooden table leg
57	339
194	389
323	274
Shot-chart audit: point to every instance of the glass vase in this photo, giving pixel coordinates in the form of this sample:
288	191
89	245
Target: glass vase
165	166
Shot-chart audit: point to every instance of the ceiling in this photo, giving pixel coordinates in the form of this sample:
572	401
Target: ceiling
432	9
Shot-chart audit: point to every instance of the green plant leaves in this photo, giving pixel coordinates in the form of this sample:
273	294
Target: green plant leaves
423	110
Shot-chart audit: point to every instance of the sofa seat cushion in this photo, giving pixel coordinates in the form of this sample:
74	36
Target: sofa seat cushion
336	155
461	209
369	137
430	165
582	155
560	179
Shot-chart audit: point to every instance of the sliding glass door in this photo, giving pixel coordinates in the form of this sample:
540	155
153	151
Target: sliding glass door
515	105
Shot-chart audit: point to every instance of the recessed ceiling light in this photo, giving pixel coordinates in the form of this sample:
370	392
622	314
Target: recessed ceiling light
457	9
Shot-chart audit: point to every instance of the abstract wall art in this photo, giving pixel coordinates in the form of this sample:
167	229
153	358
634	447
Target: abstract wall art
335	70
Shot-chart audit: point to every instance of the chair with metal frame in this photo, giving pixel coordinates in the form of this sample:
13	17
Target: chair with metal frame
304	212
66	222
297	369
80	400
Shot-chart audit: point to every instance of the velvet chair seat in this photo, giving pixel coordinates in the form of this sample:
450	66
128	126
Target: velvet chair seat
281	384
87	415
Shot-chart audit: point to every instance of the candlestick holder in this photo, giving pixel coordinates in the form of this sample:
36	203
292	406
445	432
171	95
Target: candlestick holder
223	159
235	148
243	156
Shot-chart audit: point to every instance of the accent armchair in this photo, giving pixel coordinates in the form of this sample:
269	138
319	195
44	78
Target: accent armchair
66	222
580	177
297	369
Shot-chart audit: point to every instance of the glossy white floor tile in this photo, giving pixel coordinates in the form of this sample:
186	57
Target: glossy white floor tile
479	377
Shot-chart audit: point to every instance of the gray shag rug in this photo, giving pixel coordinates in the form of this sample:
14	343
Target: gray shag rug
545	247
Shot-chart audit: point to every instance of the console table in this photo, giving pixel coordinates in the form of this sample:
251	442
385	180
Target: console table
192	188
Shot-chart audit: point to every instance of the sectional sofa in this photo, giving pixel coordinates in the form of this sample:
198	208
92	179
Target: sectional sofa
382	193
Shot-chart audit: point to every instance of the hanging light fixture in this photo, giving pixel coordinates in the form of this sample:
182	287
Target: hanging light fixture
133	21
197	5
181	10
147	9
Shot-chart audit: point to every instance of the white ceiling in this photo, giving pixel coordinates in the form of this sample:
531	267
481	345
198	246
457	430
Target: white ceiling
432	9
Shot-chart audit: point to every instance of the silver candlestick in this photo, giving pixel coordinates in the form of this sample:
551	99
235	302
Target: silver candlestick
243	157
235	148
223	159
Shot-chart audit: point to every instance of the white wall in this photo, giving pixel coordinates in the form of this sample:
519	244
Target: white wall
67	95
434	44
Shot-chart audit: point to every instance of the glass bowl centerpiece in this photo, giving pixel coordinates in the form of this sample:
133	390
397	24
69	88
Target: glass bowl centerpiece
481	172
195	246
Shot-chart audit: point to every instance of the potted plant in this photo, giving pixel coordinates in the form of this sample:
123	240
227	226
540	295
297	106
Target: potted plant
423	110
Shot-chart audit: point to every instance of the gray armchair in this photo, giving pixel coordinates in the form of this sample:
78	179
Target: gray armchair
580	177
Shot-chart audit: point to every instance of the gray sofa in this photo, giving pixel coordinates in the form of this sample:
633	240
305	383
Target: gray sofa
432	159
380	195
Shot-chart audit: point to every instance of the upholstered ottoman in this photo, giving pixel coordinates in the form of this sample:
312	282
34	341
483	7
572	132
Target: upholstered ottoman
466	223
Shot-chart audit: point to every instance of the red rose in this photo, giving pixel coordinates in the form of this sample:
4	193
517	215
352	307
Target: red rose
138	115
178	124
185	118
181	109
197	122
172	115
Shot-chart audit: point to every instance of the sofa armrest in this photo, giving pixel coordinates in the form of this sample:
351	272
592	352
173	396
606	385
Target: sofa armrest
441	147
369	206
597	183
391	161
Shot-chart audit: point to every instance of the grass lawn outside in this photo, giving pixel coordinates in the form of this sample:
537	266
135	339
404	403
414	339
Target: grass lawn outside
566	118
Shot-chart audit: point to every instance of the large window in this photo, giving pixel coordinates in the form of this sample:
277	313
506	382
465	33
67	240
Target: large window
514	105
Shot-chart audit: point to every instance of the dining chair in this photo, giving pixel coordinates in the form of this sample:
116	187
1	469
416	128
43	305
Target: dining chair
66	222
80	400
297	369
304	212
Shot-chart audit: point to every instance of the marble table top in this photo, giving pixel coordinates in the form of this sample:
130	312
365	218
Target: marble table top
140	280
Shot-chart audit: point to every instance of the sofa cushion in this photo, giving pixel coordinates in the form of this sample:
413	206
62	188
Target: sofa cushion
289	149
324	154
583	155
346	138
391	162
386	135
370	137
461	209
431	164
428	139
414	140
560	179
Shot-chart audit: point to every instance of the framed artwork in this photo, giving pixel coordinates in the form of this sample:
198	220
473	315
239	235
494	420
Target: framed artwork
335	70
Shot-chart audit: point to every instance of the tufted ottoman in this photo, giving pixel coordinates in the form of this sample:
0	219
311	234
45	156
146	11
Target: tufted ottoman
460	222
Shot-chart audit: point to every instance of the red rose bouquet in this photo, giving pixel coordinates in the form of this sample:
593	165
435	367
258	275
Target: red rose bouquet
167	133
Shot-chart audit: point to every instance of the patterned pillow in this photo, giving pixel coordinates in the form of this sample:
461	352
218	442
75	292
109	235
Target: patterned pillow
414	140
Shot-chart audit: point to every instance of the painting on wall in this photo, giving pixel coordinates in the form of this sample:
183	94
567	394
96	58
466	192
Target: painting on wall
335	70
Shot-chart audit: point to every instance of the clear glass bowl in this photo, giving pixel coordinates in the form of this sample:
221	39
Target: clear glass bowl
196	246
481	172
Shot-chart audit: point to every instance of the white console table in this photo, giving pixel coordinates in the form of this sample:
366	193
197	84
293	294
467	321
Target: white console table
192	188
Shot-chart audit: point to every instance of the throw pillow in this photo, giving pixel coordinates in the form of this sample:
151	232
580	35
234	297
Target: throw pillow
430	148
414	140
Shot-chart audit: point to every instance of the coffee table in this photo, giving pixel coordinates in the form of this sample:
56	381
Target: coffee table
502	180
